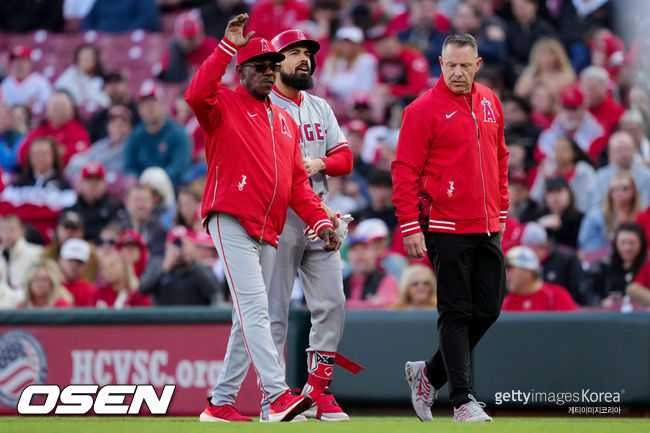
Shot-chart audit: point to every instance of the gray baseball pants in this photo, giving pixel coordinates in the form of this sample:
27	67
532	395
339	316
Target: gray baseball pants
248	265
320	273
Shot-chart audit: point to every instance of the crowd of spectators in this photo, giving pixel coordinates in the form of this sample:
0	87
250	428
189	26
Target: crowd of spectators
103	162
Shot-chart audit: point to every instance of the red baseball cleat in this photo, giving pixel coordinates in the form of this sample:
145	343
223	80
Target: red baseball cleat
287	406
224	413
326	409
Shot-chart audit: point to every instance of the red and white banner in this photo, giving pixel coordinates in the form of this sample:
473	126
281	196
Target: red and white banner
187	355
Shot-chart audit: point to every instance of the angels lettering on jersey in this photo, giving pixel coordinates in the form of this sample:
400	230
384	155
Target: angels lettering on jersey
311	132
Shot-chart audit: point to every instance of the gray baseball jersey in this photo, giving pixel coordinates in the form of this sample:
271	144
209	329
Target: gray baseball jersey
320	134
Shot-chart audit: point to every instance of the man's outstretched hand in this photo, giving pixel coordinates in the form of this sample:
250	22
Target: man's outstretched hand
235	31
332	242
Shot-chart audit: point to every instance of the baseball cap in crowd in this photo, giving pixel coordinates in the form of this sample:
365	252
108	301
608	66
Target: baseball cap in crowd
93	169
556	183
533	234
179	232
572	97
522	257
361	100
149	89
380	31
258	47
129	237
517	176
371	229
358	126
71	219
20	51
188	24
119	111
354	34
75	249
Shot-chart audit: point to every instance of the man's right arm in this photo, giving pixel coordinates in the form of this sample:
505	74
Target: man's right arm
203	92
406	168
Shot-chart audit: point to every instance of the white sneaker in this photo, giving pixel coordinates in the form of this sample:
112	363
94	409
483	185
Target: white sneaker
472	411
423	394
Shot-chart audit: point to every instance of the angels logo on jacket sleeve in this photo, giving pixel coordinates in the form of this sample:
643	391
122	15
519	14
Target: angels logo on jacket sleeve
488	112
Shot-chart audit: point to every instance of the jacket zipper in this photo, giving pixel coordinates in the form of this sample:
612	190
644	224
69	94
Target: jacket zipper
480	162
275	185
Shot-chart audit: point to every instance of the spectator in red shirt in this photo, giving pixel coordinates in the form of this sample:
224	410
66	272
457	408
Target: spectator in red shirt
574	121
594	83
639	289
132	247
43	287
41	191
367	287
402	71
72	263
271	17
69	133
526	291
121	284
189	48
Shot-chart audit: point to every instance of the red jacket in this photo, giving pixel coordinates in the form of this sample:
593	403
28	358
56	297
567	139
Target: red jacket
82	291
406	75
255	170
458	160
549	297
270	17
608	113
71	137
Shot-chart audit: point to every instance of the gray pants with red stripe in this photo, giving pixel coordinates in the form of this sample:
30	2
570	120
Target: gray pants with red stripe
249	265
320	273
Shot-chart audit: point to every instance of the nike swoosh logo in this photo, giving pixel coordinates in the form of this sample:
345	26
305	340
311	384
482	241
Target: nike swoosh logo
451	114
252	115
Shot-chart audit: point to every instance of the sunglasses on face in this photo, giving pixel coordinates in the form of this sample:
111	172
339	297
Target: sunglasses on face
107	241
262	67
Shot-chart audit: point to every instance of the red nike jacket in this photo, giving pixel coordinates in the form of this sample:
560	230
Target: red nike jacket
453	151
255	169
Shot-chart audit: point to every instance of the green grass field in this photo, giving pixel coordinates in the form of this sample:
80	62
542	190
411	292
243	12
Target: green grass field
357	424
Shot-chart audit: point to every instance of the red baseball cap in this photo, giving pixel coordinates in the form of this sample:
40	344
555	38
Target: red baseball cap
188	24
258	47
572	97
149	89
20	51
93	169
179	232
357	126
